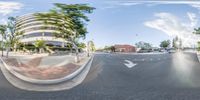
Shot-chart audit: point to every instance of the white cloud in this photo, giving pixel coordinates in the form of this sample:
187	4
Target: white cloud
196	6
192	3
172	26
193	19
9	7
115	4
129	3
156	2
3	21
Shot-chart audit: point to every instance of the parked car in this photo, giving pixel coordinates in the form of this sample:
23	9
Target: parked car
145	51
172	50
162	50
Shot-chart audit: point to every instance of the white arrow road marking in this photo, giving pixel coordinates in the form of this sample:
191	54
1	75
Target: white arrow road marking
129	64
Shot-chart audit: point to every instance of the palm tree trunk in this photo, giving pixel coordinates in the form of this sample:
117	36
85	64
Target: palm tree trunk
88	49
7	51
2	46
15	47
77	56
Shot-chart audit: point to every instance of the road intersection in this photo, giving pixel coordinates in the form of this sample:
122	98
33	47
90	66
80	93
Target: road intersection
155	77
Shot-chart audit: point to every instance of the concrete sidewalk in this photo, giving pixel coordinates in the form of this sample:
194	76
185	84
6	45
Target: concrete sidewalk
65	85
198	56
44	67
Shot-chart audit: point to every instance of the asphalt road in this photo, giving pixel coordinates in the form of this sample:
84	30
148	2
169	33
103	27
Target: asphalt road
155	77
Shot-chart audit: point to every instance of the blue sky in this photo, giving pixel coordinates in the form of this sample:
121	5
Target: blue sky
124	21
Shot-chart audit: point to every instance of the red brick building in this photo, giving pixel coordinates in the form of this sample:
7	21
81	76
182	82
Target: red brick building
125	48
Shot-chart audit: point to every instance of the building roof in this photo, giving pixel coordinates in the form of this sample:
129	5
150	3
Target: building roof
123	46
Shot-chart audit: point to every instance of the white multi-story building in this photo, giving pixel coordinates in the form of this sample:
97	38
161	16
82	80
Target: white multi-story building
33	30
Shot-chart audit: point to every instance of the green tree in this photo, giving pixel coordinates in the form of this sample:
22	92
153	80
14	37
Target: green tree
143	45
165	44
174	42
69	21
198	48
180	43
12	36
197	31
77	14
40	44
92	46
81	45
112	48
2	32
177	43
109	48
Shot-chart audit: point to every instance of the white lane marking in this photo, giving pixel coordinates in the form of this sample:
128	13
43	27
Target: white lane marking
142	59
129	64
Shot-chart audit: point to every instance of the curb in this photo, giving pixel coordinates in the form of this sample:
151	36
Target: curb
139	53
198	56
52	81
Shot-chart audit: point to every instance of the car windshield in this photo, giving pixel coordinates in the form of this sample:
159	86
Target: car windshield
99	50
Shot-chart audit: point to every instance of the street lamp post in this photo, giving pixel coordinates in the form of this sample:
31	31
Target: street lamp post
88	48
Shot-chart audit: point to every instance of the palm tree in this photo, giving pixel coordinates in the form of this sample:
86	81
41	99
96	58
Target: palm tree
92	46
2	32
197	32
81	45
40	44
68	21
13	40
